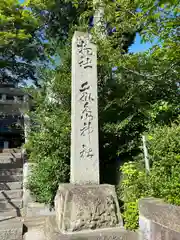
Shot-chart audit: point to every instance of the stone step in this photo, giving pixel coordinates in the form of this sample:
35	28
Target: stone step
11	229
11	194
11	213
11	171
10	155
10	204
10	185
11	178
11	165
11	150
10	158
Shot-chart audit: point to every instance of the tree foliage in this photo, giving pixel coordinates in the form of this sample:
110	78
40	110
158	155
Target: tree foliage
21	46
141	92
163	179
48	145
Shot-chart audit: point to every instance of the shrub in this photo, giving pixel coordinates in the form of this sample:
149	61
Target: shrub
51	155
133	186
163	181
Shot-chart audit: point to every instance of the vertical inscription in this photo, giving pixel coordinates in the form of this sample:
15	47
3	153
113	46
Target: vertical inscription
84	52
84	117
86	99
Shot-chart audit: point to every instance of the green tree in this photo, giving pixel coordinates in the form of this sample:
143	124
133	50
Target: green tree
21	44
163	179
49	142
132	99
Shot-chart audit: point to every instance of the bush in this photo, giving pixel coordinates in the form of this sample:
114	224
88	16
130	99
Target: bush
133	186
49	149
49	141
163	181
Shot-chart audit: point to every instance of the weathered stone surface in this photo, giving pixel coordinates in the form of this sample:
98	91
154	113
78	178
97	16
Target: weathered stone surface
161	233
84	207
84	112
117	233
11	234
11	229
162	213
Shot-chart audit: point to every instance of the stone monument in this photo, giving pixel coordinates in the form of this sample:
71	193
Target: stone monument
84	208
84	123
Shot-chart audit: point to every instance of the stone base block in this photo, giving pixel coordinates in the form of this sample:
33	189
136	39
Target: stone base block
86	207
116	233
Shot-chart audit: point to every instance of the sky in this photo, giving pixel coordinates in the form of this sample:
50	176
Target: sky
138	46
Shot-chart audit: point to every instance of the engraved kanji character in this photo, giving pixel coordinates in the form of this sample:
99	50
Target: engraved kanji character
84	52
86	152
86	97
87	112
84	87
86	129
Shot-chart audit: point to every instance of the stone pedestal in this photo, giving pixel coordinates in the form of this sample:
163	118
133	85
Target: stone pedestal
86	207
117	233
87	212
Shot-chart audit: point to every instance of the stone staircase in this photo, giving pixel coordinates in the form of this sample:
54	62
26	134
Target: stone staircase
11	177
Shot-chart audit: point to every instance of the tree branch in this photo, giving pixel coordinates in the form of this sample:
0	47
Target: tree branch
149	76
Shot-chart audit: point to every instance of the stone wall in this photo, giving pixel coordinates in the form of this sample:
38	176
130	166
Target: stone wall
159	220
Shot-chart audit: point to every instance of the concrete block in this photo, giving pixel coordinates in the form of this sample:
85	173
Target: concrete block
160	232
160	212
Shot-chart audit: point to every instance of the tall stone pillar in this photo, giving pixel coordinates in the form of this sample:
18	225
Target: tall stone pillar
84	117
84	208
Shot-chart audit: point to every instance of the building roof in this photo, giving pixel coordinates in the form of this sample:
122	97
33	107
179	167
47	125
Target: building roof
13	91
